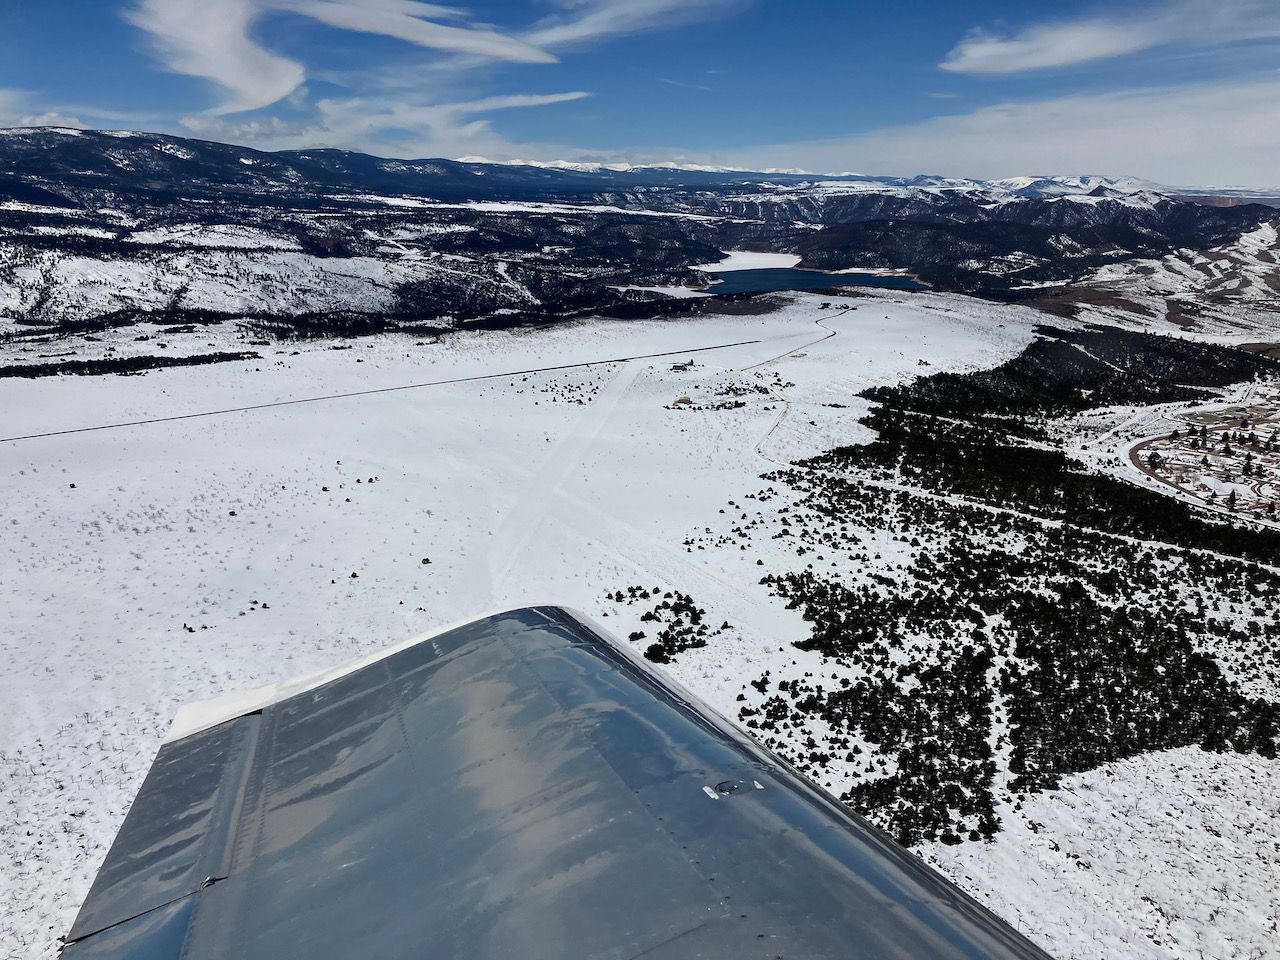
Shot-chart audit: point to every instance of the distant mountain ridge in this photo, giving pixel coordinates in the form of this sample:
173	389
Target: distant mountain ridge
129	160
103	229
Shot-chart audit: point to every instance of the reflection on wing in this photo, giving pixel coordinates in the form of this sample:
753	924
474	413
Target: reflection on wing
516	787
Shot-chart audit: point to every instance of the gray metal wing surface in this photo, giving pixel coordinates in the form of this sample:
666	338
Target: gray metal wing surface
519	787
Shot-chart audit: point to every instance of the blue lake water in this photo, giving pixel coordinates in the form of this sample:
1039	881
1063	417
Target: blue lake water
789	278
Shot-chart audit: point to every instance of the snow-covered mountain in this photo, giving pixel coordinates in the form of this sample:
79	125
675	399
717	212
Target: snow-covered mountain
131	160
112	228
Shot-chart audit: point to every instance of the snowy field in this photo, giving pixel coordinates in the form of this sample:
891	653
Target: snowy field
1170	854
149	566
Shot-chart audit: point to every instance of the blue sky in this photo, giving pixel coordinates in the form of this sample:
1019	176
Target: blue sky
1181	91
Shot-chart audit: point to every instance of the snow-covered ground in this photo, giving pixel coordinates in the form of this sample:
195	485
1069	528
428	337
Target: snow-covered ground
275	279
1228	292
1169	854
749	260
148	566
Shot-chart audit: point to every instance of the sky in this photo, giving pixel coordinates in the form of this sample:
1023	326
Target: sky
1182	92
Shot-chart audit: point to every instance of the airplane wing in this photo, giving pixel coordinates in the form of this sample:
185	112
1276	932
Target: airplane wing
518	787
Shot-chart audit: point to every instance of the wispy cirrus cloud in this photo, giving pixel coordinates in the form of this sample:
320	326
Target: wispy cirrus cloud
213	39
438	129
402	107
400	128
420	24
581	21
1060	43
210	39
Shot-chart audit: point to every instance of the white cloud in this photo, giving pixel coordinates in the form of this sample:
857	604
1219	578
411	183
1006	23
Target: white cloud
12	105
50	118
1061	43
413	22
585	20
17	109
263	131
444	129
1040	47
1210	134
212	39
396	128
507	101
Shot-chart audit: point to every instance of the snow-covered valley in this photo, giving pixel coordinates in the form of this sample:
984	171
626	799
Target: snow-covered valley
354	497
266	412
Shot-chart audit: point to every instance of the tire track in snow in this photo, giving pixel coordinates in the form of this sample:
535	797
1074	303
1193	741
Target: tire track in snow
780	397
522	519
612	536
599	527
